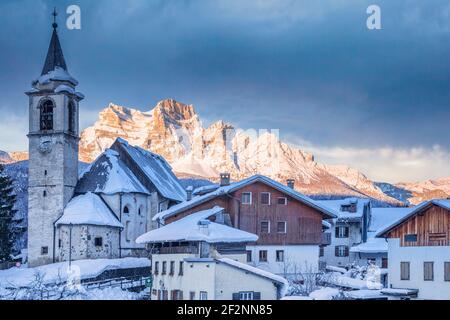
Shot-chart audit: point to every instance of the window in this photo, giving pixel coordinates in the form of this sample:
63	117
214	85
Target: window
59	243
192	295
156	268
342	232
128	231
265	226
98	241
44	194
46	115
246	198
282	201
245	295
249	256
281	227
280	255
321	251
428	272
384	263
72	113
263	256
177	295
164	267
203	295
181	271
341	251
265	198
410	238
45	172
446	271
165	295
126	210
44	250
404	271
172	268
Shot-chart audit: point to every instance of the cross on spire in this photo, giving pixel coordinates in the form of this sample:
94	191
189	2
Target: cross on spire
54	14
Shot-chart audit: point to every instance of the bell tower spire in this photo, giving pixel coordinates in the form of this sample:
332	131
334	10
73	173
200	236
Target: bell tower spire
55	56
53	151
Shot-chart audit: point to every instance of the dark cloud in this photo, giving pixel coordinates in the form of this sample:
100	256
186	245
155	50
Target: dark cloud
310	68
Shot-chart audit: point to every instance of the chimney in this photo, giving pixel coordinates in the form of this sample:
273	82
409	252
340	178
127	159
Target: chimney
224	179
291	183
203	226
189	191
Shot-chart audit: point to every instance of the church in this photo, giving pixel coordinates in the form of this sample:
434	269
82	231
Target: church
96	213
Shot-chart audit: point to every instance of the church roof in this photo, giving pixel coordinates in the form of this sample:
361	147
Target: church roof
55	56
151	169
108	174
88	209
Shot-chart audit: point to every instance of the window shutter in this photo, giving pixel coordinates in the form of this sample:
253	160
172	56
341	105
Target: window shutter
336	232
235	296
336	251
447	271
346	231
346	252
256	295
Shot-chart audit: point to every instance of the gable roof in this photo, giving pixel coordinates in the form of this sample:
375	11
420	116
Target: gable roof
88	209
238	185
336	206
108	174
256	271
424	205
196	227
154	168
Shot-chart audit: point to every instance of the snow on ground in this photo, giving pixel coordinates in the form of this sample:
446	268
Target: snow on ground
85	269
325	294
108	294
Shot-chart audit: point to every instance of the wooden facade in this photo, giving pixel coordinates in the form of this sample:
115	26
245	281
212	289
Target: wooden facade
429	227
303	223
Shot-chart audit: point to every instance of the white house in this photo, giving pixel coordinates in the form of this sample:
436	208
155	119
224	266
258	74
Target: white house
200	258
347	230
419	252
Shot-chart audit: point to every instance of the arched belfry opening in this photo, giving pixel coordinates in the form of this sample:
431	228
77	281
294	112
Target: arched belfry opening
46	115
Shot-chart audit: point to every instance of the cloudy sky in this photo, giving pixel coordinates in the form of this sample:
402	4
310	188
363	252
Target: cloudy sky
376	100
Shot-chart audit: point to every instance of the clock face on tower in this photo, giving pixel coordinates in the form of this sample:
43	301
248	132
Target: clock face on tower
45	144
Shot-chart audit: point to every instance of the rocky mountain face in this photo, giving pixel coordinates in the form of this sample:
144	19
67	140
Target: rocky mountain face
175	131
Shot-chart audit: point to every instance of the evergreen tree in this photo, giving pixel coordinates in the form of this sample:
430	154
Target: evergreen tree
7	201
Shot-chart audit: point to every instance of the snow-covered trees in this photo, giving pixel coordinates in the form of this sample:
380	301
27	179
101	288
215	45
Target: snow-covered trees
7	211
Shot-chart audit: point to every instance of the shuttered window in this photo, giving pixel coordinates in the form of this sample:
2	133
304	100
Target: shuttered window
447	271
280	255
281	227
404	271
263	256
428	271
341	251
249	256
247	295
342	232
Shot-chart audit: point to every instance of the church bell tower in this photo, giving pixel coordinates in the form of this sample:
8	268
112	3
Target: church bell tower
53	151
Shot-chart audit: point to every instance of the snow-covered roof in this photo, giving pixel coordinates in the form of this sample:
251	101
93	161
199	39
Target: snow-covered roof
88	209
155	168
57	74
336	206
59	271
196	227
238	185
380	217
443	203
108	174
257	271
68	89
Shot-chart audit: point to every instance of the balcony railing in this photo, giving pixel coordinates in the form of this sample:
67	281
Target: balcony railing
175	250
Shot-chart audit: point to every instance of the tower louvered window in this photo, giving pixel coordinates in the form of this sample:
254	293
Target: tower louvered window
71	117
46	115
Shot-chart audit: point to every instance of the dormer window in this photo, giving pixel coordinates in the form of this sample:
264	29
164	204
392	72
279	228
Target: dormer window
350	207
46	115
